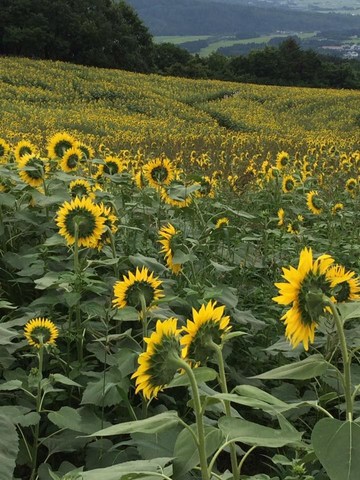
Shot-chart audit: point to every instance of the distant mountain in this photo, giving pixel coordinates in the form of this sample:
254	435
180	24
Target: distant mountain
208	17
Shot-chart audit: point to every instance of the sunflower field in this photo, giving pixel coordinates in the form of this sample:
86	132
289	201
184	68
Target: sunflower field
179	278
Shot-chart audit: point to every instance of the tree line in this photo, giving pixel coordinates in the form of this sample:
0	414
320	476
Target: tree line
109	34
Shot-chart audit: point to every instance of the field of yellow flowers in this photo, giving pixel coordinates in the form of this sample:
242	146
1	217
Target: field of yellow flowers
179	288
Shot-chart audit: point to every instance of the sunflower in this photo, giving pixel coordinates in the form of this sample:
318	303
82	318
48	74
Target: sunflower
156	368
282	160
24	148
288	183
281	217
4	150
59	144
159	172
81	188
110	224
350	186
312	202
71	159
111	166
40	331
135	287
176	197
207	187
139	179
87	151
305	289
222	222
345	284
33	170
87	216
337	208
209	324
168	236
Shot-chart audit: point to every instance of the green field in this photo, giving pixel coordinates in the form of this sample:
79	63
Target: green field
176	40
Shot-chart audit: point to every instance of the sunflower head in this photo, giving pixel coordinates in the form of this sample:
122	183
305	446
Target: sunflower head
313	202
345	285
33	169
288	183
110	223
209	324
156	366
159	172
351	186
71	159
281	217
81	188
84	216
137	289
305	290
40	331
337	208
177	195
24	148
282	160
207	187
59	144
169	238
222	222
87	151
4	150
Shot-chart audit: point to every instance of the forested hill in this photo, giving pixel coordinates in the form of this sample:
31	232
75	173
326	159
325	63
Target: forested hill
200	17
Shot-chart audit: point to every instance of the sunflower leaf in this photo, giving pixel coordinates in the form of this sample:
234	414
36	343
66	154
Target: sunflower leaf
313	366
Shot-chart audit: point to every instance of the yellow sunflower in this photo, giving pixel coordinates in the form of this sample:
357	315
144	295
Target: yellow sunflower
168	235
33	170
288	183
282	160
222	222
209	324
156	368
159	172
345	284
207	187
24	148
281	217
135	287
4	150
71	159
110	225
350	186
337	208
111	166
304	289
139	179
40	331
81	188
87	151
87	216
59	144
312	202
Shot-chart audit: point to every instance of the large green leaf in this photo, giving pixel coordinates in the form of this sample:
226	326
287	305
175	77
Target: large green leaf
313	366
186	452
154	424
349	310
128	470
251	433
337	446
8	447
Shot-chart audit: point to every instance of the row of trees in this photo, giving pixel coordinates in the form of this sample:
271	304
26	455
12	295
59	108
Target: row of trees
104	33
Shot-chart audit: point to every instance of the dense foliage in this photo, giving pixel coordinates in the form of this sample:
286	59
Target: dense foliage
91	32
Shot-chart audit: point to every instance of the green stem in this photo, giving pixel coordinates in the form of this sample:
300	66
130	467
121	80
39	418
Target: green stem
199	418
79	337
38	410
223	385
245	457
113	250
346	359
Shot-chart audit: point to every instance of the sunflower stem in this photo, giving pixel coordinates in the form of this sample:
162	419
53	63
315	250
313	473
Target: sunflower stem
346	359
38	409
77	306
223	385
113	250
199	418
